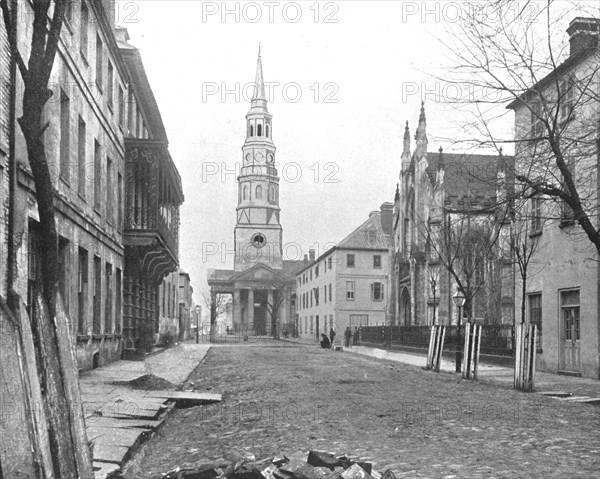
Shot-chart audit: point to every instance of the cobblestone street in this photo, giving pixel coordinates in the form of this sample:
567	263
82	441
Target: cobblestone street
284	398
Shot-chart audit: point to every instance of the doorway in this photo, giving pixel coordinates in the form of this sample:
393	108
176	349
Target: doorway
570	327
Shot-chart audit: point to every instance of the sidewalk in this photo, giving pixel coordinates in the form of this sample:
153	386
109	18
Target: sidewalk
563	388
118	417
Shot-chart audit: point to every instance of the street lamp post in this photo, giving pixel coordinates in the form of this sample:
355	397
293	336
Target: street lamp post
459	301
198	310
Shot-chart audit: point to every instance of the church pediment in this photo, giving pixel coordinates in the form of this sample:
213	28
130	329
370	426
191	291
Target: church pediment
260	273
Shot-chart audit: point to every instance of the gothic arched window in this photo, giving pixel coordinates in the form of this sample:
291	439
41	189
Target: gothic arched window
259	130
251	130
259	192
245	193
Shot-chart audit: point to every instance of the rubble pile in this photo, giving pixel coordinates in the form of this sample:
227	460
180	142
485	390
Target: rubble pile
318	465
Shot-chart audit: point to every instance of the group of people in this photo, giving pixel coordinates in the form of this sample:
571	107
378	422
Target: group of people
351	338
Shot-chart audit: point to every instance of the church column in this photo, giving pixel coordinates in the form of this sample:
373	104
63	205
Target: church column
283	308
250	309
269	313
237	317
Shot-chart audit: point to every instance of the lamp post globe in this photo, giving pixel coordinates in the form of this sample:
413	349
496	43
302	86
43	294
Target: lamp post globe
459	300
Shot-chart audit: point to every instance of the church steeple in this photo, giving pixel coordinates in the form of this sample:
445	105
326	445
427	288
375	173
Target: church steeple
406	149
258	233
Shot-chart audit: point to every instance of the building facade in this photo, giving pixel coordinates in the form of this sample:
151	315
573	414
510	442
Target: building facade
562	285
348	284
450	213
262	283
102	119
186	305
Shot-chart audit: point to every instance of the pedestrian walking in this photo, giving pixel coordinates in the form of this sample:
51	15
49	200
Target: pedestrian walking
331	335
355	341
347	336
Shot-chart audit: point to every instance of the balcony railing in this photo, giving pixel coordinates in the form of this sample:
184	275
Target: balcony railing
153	192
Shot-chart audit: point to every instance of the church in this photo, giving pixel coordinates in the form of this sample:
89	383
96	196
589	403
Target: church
262	282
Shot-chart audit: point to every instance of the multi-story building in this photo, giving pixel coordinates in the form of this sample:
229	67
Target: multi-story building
168	309
262	282
85	151
117	189
443	202
562	285
347	285
153	196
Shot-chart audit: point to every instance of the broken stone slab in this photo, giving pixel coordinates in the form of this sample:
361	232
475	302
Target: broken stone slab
324	459
346	462
355	472
307	471
388	474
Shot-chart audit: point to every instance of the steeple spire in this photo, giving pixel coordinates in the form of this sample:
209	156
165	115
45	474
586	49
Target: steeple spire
406	149
421	135
259	83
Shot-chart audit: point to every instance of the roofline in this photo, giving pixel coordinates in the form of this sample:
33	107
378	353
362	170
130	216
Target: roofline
570	62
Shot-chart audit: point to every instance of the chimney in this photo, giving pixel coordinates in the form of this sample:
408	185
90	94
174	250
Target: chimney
305	259
311	254
583	34
387	218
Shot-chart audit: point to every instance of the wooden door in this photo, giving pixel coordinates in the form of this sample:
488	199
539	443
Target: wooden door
570	332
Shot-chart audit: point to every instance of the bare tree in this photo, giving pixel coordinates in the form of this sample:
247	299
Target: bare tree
216	304
71	458
273	306
514	53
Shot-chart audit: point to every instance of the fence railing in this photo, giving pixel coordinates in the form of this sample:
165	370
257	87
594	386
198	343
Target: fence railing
497	340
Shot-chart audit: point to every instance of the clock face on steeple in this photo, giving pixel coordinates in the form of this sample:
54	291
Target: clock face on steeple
270	158
259	157
248	158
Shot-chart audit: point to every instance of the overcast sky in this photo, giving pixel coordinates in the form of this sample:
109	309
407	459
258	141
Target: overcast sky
345	78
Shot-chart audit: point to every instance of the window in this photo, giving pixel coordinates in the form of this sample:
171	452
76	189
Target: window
259	192
311	297
97	323
97	176
377	261
535	310
109	191
245	193
83	29
65	136
119	288
537	124
259	130
81	137
108	313
121	101
377	291
110	86
251	130
325	293
330	292
317	271
131	116
567	216
350	285
64	281
567	98
330	261
317	296
359	320
99	62
536	214
311	273
267	130
120	202
350	260
82	290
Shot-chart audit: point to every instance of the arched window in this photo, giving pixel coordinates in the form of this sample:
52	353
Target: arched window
267	130
259	192
251	130
245	193
259	130
273	194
